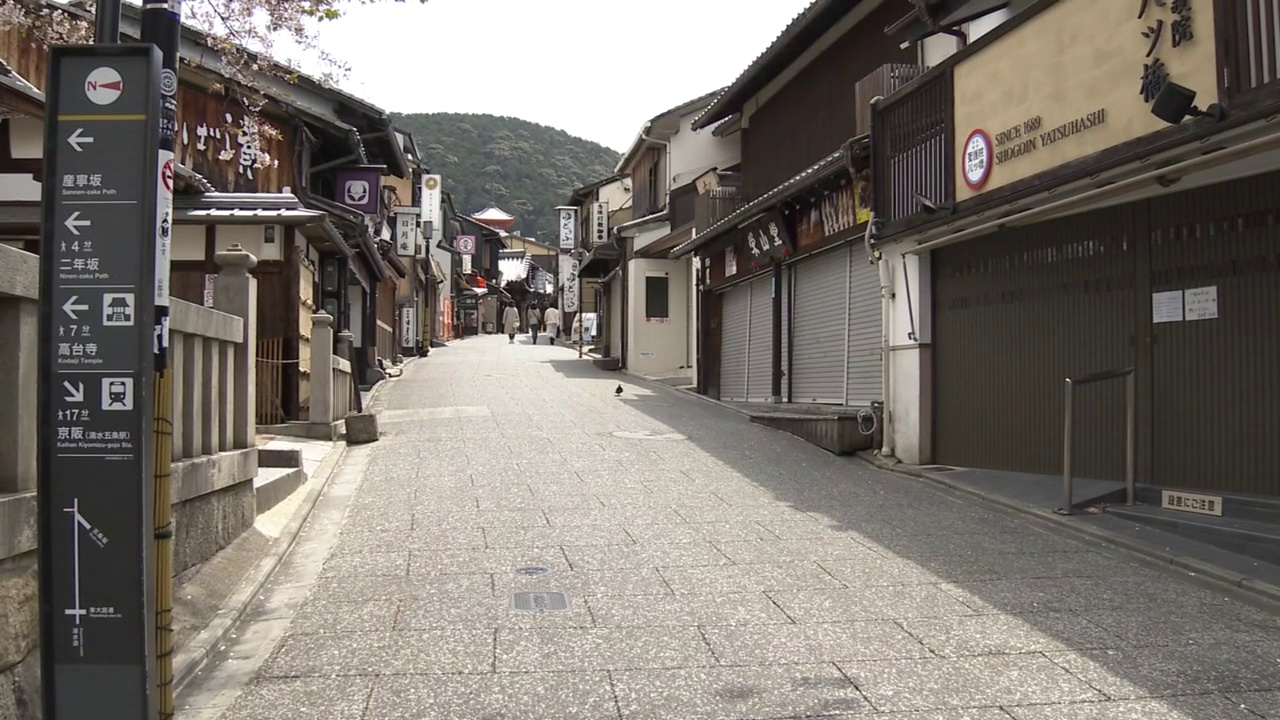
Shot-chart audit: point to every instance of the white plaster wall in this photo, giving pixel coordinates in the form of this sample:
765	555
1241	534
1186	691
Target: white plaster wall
355	311
19	187
653	348
936	48
910	357
188	243
617	194
693	153
252	239
692	351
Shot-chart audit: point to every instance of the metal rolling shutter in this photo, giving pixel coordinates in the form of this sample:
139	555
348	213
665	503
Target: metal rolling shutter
864	367
821	308
1016	313
734	327
760	349
786	330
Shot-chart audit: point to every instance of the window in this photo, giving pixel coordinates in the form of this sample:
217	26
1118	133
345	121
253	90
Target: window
657	305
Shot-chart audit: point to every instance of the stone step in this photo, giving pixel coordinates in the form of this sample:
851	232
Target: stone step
274	484
1258	540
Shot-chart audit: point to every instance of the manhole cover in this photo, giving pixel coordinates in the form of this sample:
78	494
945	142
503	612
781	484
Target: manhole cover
532	571
646	435
539	602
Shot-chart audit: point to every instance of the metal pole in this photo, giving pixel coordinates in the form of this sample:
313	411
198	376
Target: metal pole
1068	419
106	27
1130	437
162	27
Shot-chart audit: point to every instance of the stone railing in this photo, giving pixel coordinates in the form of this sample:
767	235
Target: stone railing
331	392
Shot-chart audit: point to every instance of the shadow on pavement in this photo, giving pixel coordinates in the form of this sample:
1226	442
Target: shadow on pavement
1040	601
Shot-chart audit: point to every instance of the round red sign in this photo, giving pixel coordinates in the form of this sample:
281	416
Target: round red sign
977	159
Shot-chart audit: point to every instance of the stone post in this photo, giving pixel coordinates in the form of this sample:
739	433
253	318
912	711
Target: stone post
322	401
19	345
345	342
235	292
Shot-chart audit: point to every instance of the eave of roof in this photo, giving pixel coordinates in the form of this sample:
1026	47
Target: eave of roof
585	191
804	30
675	113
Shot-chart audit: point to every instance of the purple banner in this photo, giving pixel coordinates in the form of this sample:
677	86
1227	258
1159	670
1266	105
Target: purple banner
358	188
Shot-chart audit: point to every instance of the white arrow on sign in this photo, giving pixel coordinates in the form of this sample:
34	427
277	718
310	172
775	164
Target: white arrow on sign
77	139
74	224
71	308
75	393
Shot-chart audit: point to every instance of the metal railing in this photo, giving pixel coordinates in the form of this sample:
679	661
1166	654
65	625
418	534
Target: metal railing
1130	428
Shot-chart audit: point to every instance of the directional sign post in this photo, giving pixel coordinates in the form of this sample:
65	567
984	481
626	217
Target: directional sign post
97	265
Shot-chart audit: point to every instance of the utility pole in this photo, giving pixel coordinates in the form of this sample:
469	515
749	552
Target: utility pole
162	27
107	22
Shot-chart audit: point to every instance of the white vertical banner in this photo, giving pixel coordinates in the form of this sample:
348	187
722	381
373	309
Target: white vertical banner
407	231
569	288
431	189
164	232
568	228
599	223
408	325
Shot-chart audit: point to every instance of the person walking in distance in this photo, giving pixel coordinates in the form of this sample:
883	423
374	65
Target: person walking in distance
511	323
534	318
552	320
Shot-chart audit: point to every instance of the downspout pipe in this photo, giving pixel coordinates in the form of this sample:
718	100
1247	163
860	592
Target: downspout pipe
886	335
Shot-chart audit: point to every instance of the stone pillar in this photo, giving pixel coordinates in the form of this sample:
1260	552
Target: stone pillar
346	341
235	292
322	401
19	330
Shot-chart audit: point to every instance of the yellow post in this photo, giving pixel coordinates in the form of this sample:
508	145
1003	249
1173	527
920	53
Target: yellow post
163	512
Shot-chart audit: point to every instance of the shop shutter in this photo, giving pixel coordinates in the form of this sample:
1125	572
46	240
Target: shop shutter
865	338
820	301
786	331
734	331
760	349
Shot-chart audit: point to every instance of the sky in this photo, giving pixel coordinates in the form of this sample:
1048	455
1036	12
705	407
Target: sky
596	69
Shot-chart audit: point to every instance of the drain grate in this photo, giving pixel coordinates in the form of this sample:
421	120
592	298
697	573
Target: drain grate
532	571
938	468
539	602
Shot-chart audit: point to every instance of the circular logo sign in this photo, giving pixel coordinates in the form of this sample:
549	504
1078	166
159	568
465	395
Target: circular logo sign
432	183
977	159
168	81
166	175
103	86
466	244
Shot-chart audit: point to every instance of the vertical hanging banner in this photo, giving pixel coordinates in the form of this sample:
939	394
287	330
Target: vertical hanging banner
431	189
161	26
568	228
97	359
599	223
406	231
569	291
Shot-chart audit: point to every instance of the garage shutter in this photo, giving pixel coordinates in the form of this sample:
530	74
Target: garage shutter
733	343
820	306
760	351
865	339
786	330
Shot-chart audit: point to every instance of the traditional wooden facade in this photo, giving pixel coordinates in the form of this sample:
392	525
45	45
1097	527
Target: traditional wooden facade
792	217
1115	211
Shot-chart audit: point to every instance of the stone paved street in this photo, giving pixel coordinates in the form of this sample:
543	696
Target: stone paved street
714	569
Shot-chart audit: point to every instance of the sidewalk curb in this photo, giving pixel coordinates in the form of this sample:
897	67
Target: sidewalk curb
1201	568
192	657
640	379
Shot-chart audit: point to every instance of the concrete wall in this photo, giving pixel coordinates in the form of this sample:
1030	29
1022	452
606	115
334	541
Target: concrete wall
658	349
693	153
910	360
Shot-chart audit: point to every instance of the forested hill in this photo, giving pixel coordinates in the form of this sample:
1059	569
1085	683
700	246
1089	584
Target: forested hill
522	167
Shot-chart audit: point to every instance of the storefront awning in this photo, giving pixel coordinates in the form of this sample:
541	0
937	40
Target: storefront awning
825	168
243	209
662	247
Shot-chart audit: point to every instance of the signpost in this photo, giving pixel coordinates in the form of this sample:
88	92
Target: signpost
98	250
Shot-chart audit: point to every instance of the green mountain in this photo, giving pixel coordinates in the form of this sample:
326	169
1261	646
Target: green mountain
522	167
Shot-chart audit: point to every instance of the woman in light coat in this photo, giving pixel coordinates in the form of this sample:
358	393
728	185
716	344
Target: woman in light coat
511	323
